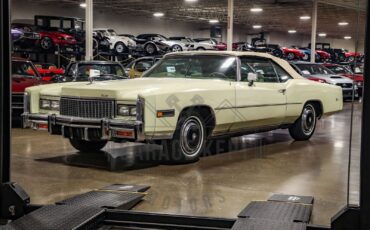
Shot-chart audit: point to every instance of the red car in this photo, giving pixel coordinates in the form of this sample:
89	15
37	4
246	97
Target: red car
324	56
352	56
48	71
292	53
49	40
24	74
346	71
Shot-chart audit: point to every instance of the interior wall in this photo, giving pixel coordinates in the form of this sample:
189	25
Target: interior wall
26	9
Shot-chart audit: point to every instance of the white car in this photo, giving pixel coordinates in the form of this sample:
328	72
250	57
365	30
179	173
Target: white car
193	44
318	72
120	44
184	101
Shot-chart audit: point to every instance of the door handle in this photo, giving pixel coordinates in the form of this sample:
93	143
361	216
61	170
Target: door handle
282	91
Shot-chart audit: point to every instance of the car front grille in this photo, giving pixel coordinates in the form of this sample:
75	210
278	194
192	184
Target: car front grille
345	85
87	108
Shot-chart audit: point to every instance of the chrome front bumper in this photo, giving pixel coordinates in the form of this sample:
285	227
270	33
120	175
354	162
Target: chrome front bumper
88	129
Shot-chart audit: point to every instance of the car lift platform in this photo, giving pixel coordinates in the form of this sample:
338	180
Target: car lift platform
109	208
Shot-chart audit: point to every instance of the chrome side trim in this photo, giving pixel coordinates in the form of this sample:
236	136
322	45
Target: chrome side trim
256	106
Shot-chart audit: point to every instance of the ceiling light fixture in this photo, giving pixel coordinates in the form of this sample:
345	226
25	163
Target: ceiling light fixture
305	17
83	5
322	34
191	1
256	10
347	37
257	27
343	23
213	21
292	31
158	14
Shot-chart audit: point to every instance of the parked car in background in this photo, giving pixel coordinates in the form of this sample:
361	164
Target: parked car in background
16	34
314	71
128	35
80	71
346	71
118	44
48	70
65	32
29	38
137	67
218	45
236	93
24	74
292	53
320	56
193	44
151	44
336	55
353	56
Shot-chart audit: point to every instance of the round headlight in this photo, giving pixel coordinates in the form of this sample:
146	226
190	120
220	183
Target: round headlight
123	110
45	104
54	105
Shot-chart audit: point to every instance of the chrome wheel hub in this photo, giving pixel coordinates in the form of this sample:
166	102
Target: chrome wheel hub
191	136
308	119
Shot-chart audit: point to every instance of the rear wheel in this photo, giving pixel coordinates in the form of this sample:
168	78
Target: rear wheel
176	48
189	139
120	48
290	56
305	126
150	49
87	146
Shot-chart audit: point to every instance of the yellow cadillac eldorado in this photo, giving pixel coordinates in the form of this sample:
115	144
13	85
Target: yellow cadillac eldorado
184	101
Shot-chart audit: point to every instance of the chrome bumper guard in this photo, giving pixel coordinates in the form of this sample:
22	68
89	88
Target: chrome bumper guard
109	128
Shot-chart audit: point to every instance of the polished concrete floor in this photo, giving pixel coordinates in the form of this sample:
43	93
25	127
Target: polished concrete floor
218	185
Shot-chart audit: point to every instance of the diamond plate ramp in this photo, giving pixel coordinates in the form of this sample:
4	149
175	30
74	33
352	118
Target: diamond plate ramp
292	198
105	199
59	217
262	224
127	187
278	211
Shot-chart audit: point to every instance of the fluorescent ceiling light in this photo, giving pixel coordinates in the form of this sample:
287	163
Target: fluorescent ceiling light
158	14
305	17
292	31
257	27
191	0
343	23
322	34
347	37
83	5
213	21
256	10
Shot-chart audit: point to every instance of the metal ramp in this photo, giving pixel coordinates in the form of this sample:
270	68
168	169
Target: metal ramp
85	211
280	212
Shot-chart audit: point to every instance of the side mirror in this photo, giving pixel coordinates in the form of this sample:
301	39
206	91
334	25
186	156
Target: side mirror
252	77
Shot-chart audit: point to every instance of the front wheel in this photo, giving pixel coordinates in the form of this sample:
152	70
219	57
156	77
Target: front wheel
87	146
176	48
46	43
120	48
290	56
188	141
304	127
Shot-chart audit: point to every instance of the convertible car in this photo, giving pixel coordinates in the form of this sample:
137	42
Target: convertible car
184	101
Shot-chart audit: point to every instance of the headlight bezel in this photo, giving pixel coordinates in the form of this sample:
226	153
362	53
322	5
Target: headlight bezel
49	104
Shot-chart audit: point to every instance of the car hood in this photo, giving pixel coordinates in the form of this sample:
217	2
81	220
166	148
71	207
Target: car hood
129	90
171	43
333	79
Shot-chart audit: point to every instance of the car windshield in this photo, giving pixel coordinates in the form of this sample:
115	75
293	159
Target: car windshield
340	69
200	67
102	71
112	32
312	69
22	69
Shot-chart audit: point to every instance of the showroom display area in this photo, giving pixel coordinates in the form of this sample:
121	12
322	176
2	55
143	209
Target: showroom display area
222	183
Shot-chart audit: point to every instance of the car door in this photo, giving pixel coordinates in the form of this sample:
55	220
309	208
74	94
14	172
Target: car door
261	103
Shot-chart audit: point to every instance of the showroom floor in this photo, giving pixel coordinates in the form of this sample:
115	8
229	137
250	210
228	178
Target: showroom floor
218	185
